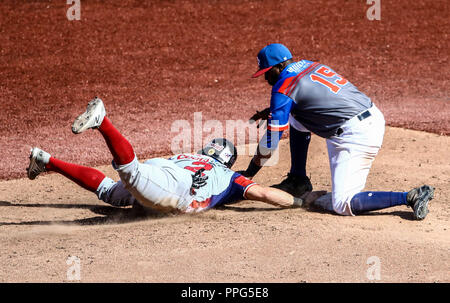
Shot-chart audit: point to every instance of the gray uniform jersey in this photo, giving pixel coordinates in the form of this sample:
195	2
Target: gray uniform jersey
323	100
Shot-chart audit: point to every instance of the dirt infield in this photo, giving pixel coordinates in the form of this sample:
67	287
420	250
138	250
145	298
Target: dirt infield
46	221
157	62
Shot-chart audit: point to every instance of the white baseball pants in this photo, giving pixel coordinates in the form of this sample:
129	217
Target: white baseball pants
157	183
350	156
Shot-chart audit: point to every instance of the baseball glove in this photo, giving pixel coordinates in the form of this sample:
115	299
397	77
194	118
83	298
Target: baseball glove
260	115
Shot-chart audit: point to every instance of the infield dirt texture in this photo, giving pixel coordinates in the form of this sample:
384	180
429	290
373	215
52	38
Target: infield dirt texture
156	62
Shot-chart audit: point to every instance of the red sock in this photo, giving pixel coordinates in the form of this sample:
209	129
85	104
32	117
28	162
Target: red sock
87	177
120	148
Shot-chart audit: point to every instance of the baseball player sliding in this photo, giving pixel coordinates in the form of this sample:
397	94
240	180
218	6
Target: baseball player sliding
183	183
312	97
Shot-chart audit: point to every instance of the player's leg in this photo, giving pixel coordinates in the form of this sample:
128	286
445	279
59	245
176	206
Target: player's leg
349	178
157	184
95	117
349	172
88	178
297	182
417	198
299	144
351	158
351	155
369	134
347	199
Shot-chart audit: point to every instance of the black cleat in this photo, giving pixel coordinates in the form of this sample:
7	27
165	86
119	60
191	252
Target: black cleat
418	199
295	185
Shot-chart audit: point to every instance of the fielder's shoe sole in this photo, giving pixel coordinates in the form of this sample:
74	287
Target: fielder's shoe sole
418	198
91	118
38	159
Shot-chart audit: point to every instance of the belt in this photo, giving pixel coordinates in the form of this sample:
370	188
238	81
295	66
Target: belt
361	116
364	115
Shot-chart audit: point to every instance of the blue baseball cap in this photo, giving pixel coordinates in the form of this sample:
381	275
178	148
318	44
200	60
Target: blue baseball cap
271	55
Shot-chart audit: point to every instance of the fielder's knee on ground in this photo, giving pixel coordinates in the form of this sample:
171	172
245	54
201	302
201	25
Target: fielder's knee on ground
341	204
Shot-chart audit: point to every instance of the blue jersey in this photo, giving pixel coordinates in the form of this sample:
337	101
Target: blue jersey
222	186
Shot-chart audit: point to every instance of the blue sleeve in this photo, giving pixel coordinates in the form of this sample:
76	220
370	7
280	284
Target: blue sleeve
280	107
235	192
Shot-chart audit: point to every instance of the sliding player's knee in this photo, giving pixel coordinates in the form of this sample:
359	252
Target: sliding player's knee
104	189
114	193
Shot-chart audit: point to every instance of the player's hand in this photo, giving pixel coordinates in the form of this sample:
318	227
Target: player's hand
260	115
198	180
310	196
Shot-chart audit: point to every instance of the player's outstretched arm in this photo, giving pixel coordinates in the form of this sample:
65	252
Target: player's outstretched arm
281	198
272	196
278	197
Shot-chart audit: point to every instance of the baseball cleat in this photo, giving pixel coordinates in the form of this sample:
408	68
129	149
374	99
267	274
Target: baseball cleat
295	185
38	159
418	199
91	118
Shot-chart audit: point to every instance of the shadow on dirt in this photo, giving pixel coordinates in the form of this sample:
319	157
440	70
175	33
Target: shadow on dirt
246	209
108	214
406	215
116	215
